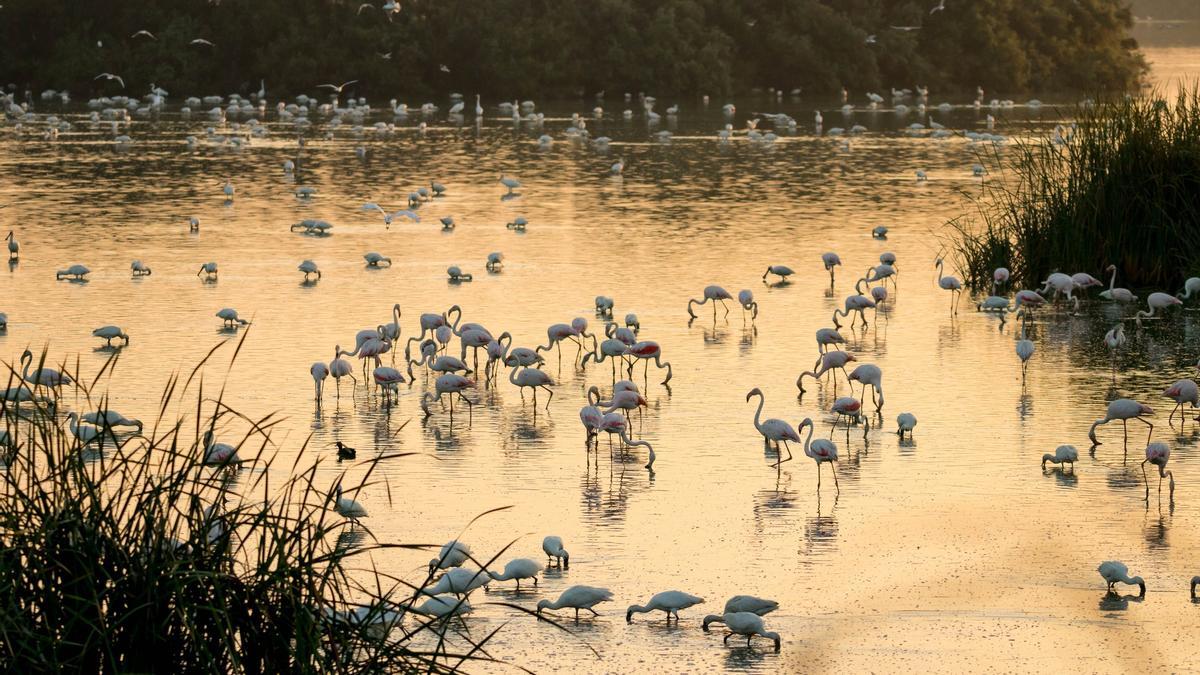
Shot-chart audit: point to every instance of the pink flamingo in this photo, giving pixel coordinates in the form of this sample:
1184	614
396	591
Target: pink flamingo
827	362
821	451
746	300
715	294
1123	409
999	278
450	384
624	399
591	417
1183	391
388	379
827	337
556	334
610	349
319	372
949	283
648	351
1157	302
475	339
614	424
870	374
854	303
1158	454
533	379
848	407
431	322
580	325
340	368
830	260
773	430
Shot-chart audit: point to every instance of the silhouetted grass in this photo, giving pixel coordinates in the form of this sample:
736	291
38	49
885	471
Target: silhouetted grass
1122	190
135	557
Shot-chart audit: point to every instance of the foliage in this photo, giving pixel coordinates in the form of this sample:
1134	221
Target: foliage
1122	190
523	48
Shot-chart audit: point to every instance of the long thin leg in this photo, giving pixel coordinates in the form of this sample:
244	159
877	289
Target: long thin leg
1150	432
833	470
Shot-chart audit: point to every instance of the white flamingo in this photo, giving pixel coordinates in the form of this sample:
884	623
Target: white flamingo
1123	295
949	283
1157	302
1123	409
773	430
668	602
1063	455
714	294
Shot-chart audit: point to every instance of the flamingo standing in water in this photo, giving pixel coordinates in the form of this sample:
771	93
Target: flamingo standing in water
1156	302
388	379
827	337
1123	295
42	377
1114	339
949	283
1062	284
773	430
1183	391
848	407
711	293
340	368
999	278
746	300
1123	409
870	374
830	260
854	303
556	334
591	418
319	372
781	271
647	351
533	379
452	384
1025	349
1063	455
827	362
821	451
1190	287
1158	454
614	424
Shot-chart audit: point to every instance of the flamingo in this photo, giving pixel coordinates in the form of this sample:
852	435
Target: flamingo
1158	454
375	259
319	372
533	379
830	260
580	325
78	272
14	247
614	425
1084	281
1063	454
820	451
591	417
42	377
388	379
604	305
1113	572
577	598
452	384
905	422
828	361
523	357
1123	295
1190	287
218	453
552	545
1025	349
139	269
773	430
610	349
1157	301
110	333
715	294
993	303
854	303
888	258
741	603
827	337
229	316
881	272
747	624
870	374
647	351
453	554
1183	391
438	364
346	507
668	602
1123	409
340	368
745	298
848	407
949	283
519	568
1000	277
1114	339
624	399
209	270
1062	285
556	333
781	271
879	232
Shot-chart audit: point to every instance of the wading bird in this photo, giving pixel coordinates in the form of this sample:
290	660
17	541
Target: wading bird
552	546
714	294
1158	454
668	602
1114	572
1123	409
747	624
773	430
577	598
741	603
1063	455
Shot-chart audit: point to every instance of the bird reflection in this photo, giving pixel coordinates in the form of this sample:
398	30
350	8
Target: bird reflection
820	533
1115	602
1064	478
1155	533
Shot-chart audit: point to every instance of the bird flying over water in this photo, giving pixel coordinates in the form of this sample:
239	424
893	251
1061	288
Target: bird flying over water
144	32
939	7
202	41
338	87
110	76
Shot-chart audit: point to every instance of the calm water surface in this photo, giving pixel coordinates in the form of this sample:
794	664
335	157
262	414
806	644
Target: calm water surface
947	552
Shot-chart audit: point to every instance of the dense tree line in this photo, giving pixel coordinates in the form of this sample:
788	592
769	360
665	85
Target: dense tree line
519	48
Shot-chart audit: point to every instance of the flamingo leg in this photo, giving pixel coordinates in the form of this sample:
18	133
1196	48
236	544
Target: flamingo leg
1148	433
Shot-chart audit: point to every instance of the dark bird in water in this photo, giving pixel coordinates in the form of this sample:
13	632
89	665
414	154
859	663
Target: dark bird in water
345	451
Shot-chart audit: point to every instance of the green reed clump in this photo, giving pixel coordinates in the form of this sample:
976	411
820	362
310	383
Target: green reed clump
132	556
1121	189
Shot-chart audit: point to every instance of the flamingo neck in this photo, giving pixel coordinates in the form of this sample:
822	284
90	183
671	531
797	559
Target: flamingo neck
808	442
762	401
1112	281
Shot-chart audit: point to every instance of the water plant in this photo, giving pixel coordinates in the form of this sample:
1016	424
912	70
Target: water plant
1117	187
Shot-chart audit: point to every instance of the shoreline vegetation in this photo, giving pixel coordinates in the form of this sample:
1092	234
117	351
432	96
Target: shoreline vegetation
562	48
1118	187
132	553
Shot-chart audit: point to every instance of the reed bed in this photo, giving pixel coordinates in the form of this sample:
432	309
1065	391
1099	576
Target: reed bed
1120	188
128	554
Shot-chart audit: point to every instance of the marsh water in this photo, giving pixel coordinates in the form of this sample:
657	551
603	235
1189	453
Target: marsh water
954	550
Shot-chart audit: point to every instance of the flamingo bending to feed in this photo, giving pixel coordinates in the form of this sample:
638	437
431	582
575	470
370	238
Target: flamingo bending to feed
1117	294
1190	287
746	300
830	260
827	337
438	364
1084	281
518	569
319	372
577	598
375	259
905	422
452	384
388	379
714	294
1062	284
848	407
610	349
309	267
604	305
85	433
781	271
209	270
1113	572
821	451
1158	454
949	283
747	624
591	417
1063	455
552	545
623	399
669	602
870	374
647	351
1157	301
533	379
773	430
1123	409
828	361
741	603
854	303
556	334
614	424
1183	391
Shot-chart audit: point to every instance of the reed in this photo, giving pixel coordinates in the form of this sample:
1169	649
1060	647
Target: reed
1120	189
129	555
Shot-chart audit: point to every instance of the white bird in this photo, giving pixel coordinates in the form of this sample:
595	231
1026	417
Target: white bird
201	41
443	606
459	581
453	554
741	603
110	76
1158	454
1123	409
336	87
14	247
319	372
938	7
76	271
1063	454
145	33
309	267
229	316
218	453
773	430
669	602
1117	294
375	259
346	507
949	283
1157	301
518	569
553	547
42	377
86	434
110	333
510	183
747	624
905	422
208	269
1025	349
1113	572
577	598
